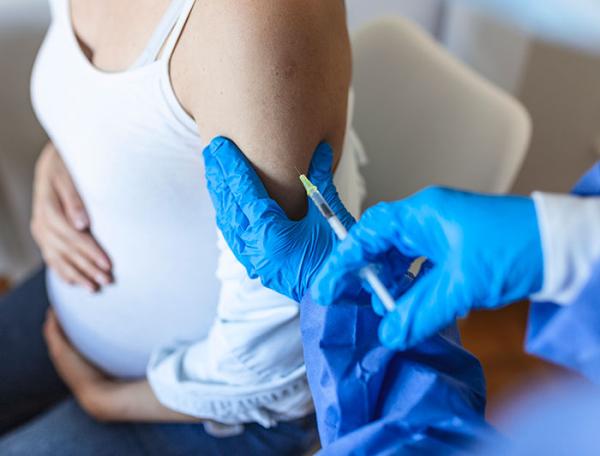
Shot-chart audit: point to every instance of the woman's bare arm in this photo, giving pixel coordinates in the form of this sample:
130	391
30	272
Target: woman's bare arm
272	75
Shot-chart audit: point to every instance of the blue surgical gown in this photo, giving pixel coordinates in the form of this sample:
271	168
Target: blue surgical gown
570	335
371	400
431	399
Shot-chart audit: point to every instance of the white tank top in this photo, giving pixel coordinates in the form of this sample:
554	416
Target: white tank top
136	158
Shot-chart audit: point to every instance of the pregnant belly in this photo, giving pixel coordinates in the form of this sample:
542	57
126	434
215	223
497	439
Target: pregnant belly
163	292
152	214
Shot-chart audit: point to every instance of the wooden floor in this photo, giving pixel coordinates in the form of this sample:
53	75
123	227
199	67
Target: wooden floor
497	338
4	286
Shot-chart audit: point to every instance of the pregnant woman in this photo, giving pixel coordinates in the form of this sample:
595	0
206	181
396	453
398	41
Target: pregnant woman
154	339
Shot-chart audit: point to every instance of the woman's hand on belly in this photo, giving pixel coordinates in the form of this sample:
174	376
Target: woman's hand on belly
102	397
60	226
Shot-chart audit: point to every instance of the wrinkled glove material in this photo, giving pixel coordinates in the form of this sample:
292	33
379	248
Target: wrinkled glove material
484	252
284	253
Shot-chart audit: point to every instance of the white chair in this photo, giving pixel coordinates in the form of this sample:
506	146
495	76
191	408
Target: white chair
426	118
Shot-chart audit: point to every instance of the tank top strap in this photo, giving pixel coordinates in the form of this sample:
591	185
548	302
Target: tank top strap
169	46
160	35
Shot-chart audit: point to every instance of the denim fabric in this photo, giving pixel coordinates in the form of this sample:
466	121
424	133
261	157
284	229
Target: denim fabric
67	431
39	417
28	382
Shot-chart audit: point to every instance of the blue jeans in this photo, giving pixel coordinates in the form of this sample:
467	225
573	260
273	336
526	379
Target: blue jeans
38	416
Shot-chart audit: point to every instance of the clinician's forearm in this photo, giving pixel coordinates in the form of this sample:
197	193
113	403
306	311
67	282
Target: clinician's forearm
570	232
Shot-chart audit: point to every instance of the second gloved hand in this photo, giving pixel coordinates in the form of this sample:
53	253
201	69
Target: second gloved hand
485	250
285	254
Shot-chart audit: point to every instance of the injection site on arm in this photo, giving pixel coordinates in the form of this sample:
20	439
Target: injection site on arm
278	86
368	272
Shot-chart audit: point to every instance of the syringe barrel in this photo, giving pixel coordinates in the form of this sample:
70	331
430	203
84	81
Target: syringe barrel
321	204
336	225
368	272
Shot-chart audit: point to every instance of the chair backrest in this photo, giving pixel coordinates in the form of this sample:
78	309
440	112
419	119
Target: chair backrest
427	119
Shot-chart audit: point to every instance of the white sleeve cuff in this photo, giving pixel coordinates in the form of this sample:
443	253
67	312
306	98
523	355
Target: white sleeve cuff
227	402
250	368
570	234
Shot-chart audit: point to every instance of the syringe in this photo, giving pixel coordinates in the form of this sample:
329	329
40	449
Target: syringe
368	272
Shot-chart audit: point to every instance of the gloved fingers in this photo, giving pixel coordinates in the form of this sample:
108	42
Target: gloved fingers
215	181
427	308
395	260
393	270
336	206
321	165
334	281
226	165
233	228
229	214
329	284
365	244
337	276
420	224
378	306
240	177
379	230
231	220
400	285
321	174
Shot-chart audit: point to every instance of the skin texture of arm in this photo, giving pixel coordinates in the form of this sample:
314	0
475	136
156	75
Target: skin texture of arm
273	76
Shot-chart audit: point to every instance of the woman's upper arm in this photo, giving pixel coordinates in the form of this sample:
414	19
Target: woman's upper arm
273	76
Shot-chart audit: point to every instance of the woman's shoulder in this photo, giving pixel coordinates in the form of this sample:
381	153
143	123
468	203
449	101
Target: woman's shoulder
260	22
259	46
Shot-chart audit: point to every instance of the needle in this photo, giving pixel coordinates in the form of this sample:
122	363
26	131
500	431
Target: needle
369	272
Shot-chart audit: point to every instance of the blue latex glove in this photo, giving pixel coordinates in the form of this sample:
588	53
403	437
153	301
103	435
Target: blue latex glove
285	254
485	250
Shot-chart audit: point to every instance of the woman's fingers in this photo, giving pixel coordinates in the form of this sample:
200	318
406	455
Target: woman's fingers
73	255
69	273
72	204
75	262
55	257
76	241
65	212
85	244
60	226
89	269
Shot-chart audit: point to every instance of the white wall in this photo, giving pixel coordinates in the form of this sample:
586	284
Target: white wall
497	50
561	90
22	26
425	12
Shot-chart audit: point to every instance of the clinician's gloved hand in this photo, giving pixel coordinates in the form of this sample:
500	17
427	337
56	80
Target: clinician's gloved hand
285	254
485	250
